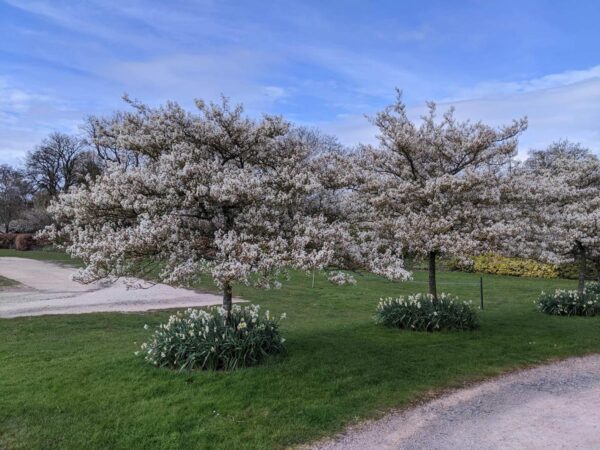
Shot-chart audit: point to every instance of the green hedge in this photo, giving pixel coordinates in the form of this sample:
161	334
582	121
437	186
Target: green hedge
517	267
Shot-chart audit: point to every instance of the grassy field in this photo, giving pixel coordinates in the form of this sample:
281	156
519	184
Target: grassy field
45	255
73	381
7	282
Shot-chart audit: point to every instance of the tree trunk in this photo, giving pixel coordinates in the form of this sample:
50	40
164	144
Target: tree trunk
227	302
7	223
582	269
432	283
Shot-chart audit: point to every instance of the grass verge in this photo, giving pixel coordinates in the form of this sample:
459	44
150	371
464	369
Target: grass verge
48	254
7	282
73	381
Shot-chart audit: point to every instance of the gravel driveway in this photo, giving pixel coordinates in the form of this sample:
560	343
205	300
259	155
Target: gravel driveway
556	406
47	288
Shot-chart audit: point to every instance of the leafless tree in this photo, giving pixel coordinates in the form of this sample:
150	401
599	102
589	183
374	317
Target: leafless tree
14	192
56	164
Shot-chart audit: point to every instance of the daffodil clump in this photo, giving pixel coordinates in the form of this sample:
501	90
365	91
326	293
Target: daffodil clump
569	303
208	340
421	312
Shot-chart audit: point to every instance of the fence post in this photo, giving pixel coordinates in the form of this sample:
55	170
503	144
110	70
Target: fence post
481	291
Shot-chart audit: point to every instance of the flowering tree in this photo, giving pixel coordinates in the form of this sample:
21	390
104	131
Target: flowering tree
435	187
214	193
564	225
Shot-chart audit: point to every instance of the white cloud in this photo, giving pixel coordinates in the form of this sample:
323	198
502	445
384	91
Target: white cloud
563	111
556	80
233	73
26	116
563	105
16	100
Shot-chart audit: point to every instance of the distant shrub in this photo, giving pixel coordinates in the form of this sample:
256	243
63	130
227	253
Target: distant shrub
7	240
571	271
419	312
24	242
458	265
569	303
199	339
517	267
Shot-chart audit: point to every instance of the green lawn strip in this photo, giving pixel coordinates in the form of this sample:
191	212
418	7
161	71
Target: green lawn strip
7	282
41	255
73	381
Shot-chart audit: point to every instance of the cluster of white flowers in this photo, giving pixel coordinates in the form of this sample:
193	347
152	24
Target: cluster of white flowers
214	338
425	312
564	302
417	299
341	278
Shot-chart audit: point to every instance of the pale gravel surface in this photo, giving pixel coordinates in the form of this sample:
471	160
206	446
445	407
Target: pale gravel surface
556	406
47	288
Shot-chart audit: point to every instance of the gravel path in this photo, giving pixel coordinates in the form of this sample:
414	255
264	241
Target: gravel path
47	288
556	406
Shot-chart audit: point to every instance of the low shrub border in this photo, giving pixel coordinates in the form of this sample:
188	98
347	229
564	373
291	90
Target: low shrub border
199	339
24	242
564	302
420	312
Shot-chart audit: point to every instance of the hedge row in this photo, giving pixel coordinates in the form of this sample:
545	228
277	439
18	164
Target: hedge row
19	241
518	267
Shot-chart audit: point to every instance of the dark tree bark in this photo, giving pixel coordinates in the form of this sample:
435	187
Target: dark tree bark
432	282
227	299
582	268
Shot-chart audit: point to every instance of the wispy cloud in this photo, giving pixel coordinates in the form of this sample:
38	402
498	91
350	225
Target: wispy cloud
318	63
27	116
550	81
561	105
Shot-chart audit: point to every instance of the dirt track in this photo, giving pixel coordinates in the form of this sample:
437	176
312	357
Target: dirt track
556	406
47	288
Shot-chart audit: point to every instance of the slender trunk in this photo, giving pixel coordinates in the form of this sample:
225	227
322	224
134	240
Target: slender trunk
227	303
582	269
7	223
432	284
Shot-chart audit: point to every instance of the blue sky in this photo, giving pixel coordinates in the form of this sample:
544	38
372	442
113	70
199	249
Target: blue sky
320	63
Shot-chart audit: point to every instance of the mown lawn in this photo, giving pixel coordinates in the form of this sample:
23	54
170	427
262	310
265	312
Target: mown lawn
7	282
73	381
43	254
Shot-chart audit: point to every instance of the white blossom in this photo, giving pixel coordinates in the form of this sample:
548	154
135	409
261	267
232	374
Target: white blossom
434	189
211	193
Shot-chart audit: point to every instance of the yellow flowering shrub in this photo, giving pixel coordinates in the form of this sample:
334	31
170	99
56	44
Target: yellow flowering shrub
518	267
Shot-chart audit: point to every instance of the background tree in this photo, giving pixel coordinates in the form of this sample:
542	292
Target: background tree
435	187
54	166
565	223
218	193
14	194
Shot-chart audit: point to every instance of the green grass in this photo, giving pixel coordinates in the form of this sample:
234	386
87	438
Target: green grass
73	381
42	254
7	282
